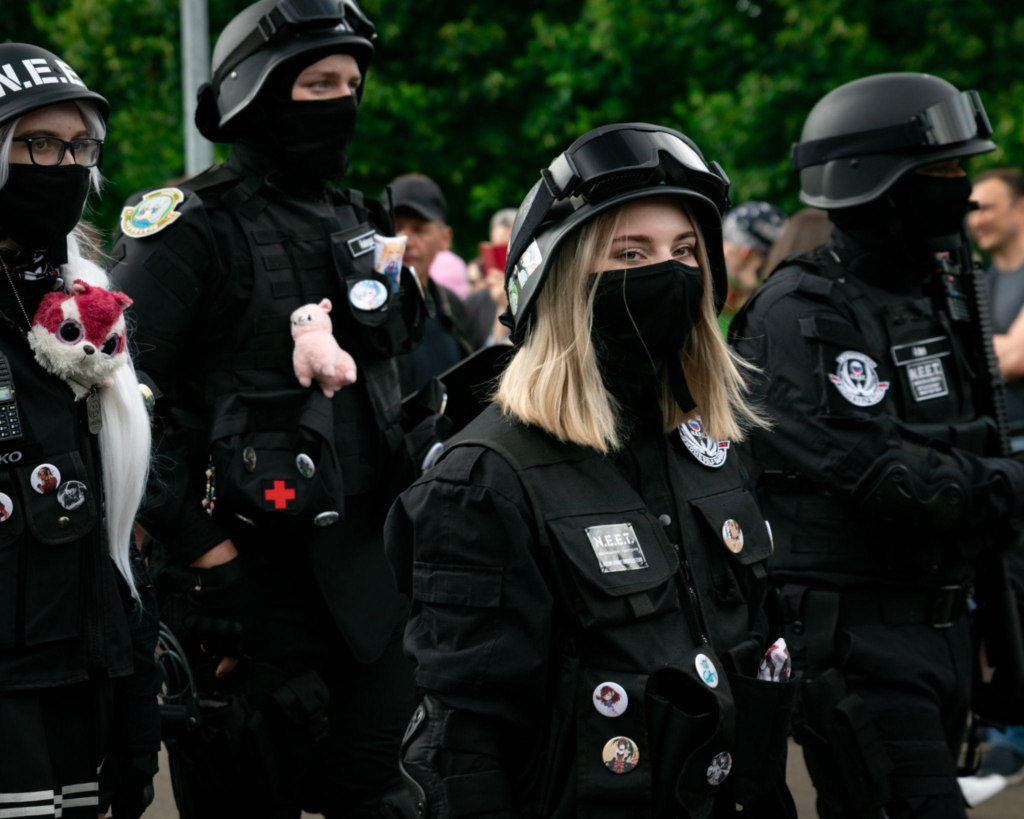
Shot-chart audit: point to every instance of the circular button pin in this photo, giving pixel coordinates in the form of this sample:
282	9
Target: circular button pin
620	755
706	671
326	519
6	508
368	294
610	699
305	465
432	455
249	459
45	479
63	522
719	768
732	534
71	495
665	520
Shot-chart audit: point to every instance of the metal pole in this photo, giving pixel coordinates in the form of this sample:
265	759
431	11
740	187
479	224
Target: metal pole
195	70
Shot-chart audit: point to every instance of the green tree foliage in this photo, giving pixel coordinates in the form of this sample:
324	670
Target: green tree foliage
481	95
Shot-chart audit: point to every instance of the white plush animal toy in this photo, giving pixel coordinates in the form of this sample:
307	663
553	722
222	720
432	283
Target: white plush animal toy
80	336
317	354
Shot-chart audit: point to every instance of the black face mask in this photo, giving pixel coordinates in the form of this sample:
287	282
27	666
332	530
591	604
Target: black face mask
309	137
643	316
40	206
932	206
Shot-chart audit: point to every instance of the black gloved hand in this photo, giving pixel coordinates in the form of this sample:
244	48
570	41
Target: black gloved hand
126	784
221	608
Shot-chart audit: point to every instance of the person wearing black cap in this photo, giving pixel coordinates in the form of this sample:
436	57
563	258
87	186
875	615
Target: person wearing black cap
586	561
450	335
78	617
884	476
272	496
748	233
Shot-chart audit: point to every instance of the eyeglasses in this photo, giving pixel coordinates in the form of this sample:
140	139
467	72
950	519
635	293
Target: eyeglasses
51	150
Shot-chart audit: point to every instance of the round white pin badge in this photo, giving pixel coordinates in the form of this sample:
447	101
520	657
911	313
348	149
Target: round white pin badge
610	699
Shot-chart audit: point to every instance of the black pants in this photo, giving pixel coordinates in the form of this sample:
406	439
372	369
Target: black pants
914	682
52	743
291	752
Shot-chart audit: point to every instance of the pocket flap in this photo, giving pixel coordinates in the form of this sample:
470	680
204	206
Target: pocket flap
619	553
50	521
476	586
736	520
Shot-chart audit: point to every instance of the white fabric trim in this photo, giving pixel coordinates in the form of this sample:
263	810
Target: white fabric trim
81	802
26	796
35	810
84	787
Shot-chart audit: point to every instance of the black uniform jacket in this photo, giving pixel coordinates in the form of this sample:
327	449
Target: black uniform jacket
847	396
212	293
61	614
532	588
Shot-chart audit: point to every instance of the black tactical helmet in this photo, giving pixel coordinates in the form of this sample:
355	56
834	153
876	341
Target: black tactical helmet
267	34
32	78
863	136
604	168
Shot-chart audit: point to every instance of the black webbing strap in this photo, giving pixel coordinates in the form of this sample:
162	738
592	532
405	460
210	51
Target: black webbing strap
243	198
474	794
821	619
890	139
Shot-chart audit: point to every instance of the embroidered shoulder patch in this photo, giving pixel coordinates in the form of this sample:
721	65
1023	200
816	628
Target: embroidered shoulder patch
856	379
156	211
709	452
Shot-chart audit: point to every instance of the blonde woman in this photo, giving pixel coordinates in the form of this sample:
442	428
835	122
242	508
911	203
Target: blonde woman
72	475
568	548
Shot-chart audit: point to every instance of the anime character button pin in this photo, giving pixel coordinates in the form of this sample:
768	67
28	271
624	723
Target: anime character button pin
611	699
157	210
706	670
732	534
705	449
856	379
719	768
249	459
368	294
305	465
6	508
71	495
325	519
45	479
620	755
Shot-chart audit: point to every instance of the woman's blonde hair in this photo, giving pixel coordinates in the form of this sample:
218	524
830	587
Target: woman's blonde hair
554	381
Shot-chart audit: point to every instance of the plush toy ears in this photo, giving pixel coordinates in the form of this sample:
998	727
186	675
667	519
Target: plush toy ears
80	287
122	299
325	305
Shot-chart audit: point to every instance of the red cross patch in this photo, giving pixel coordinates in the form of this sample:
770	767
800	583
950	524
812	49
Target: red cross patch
278	495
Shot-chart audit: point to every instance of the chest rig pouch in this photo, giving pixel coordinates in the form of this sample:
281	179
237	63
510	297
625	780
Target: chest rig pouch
273	460
381	309
629	622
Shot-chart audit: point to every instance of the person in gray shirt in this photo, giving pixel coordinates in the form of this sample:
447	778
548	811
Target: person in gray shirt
998	229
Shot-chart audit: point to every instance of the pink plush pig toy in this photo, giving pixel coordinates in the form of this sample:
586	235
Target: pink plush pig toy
317	354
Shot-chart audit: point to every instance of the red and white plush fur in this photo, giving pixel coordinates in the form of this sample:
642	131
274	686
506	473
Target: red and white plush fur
80	336
317	354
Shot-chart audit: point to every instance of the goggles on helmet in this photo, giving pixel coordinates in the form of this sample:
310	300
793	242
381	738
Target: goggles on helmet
616	159
295	18
948	122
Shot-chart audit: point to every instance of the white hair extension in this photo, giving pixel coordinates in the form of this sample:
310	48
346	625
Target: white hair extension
125	439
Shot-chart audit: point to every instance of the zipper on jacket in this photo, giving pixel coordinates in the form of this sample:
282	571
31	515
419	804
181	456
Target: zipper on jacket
693	613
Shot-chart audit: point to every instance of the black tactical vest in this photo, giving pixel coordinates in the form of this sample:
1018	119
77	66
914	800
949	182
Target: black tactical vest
928	370
302	252
60	609
669	623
